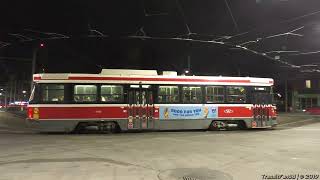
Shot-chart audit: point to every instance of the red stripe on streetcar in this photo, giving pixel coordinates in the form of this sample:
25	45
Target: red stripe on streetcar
81	112
228	111
86	112
37	78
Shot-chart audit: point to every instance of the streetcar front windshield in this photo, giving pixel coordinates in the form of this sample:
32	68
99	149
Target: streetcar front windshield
34	95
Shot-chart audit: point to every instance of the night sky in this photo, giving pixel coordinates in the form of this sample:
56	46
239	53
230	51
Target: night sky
99	34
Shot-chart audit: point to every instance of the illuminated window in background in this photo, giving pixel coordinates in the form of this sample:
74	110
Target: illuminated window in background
308	83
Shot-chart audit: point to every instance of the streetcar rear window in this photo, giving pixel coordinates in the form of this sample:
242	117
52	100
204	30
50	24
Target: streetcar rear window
52	92
261	95
85	93
111	93
214	94
192	94
236	94
168	94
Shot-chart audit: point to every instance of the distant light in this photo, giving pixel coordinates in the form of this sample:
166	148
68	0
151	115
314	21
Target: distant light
20	103
41	45
1	89
0	94
186	71
24	91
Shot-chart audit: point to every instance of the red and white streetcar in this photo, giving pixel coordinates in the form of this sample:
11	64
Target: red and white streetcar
120	99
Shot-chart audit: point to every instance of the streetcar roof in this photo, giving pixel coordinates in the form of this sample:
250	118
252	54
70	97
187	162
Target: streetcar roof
117	76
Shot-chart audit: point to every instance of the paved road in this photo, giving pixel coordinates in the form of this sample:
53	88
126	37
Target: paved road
159	155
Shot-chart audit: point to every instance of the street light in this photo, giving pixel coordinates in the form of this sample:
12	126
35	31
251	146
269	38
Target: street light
24	91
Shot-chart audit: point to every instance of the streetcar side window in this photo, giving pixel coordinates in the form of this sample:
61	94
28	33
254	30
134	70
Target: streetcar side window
111	93
236	94
214	94
192	94
52	92
85	93
168	94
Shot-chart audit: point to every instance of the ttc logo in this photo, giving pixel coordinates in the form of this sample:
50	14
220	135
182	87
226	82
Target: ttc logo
228	111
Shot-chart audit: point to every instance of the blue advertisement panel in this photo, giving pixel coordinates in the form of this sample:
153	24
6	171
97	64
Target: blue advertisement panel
188	112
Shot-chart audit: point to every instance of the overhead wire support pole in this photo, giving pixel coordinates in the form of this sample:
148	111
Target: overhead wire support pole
188	35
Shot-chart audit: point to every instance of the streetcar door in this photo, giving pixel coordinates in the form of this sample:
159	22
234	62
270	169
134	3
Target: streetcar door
261	100
140	107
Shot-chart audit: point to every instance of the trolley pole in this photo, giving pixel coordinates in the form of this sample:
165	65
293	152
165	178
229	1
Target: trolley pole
33	68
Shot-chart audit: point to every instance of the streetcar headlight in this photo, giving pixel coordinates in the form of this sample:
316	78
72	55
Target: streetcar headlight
33	113
30	113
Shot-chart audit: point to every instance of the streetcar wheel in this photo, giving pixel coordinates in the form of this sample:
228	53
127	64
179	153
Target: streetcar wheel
80	128
214	126
242	125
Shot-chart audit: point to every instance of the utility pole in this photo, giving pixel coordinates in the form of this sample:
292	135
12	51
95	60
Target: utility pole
189	62
286	95
15	90
11	89
5	96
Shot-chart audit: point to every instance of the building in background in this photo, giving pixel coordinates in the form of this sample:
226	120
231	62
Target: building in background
15	92
305	92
